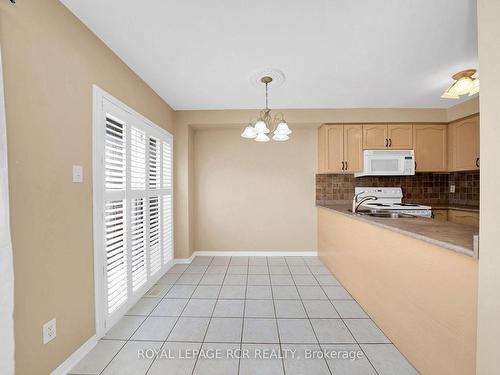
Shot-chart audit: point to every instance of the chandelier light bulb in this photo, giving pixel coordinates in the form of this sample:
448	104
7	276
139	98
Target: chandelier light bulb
280	137
261	137
282	129
249	132
261	127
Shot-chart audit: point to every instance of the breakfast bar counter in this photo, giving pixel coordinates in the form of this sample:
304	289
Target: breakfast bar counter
445	234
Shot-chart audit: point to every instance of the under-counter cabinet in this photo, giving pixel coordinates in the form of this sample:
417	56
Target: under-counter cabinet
383	136
429	143
340	148
464	217
463	139
441	215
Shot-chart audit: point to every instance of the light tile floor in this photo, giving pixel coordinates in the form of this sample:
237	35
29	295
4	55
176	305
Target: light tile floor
246	315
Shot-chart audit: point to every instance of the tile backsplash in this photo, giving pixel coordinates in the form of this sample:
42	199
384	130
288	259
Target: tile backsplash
431	188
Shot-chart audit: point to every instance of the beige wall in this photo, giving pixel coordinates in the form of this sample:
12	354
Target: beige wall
251	196
50	62
470	107
489	259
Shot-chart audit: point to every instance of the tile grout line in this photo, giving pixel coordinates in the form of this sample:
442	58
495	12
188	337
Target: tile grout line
147	316
184	308
357	343
213	309
305	310
243	318
276	318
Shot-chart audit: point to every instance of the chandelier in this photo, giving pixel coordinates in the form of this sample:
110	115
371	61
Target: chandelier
464	84
267	124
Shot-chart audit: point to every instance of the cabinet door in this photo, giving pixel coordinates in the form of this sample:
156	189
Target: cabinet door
400	136
464	217
375	136
334	148
353	147
441	215
429	142
465	145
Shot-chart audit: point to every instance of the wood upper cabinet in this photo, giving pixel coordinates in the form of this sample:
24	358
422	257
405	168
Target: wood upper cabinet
429	143
375	136
340	148
383	136
463	138
353	148
400	136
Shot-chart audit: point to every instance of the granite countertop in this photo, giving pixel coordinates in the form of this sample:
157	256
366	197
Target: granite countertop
455	237
451	206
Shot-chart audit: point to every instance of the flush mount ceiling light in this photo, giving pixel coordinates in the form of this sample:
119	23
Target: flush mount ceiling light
267	124
464	84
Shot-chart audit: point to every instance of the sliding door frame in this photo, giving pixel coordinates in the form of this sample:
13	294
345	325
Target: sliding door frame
100	97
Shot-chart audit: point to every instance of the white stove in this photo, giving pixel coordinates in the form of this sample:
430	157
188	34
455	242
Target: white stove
390	199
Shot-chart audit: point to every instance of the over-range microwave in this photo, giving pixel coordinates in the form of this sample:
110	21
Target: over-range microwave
388	163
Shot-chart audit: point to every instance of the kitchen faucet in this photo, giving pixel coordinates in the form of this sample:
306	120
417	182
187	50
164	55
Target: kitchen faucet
356	203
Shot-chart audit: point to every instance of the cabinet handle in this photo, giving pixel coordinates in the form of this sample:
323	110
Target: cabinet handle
477	162
390	142
346	166
386	142
342	165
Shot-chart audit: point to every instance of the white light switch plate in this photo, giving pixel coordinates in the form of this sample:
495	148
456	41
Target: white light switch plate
77	173
452	188
49	331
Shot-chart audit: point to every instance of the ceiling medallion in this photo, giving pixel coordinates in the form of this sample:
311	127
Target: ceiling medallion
464	84
267	124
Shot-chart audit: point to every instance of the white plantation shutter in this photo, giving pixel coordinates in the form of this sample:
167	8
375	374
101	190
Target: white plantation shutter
167	202
116	254
138	159
136	204
167	229
154	234
115	154
138	242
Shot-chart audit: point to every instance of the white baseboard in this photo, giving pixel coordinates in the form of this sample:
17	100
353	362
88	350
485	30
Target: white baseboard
76	357
256	253
184	260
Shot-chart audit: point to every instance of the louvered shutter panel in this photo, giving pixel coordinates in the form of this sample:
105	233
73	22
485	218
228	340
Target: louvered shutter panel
167	203
137	232
116	254
138	159
154	234
154	163
167	229
115	154
138	243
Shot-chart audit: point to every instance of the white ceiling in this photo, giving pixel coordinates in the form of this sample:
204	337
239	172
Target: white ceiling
199	54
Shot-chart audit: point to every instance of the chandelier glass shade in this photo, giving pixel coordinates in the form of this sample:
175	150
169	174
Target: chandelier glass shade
267	124
464	84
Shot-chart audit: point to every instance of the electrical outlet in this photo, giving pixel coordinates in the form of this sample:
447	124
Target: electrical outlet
452	188
49	331
77	173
